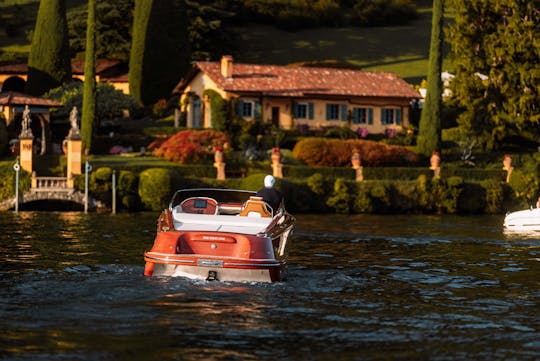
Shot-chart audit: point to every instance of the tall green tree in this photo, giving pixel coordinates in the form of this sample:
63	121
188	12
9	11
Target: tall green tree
113	29
159	49
49	61
495	54
89	91
3	135
429	130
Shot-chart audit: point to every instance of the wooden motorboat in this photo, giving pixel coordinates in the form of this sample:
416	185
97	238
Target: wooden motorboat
525	220
220	234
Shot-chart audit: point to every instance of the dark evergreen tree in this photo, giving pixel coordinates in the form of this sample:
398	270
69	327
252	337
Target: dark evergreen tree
49	61
159	51
113	29
3	135
429	132
89	92
495	54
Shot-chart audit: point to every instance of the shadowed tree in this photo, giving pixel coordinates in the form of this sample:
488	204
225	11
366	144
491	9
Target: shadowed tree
429	130
89	92
495	53
159	49
49	63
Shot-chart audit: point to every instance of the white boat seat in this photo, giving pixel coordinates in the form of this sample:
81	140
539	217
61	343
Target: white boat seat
219	223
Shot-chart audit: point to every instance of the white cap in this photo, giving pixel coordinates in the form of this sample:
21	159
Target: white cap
269	181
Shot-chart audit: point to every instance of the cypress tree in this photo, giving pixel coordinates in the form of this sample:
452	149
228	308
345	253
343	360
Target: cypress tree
159	49
89	90
429	132
49	61
3	135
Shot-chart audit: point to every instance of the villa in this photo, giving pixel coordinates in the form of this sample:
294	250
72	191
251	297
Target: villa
295	96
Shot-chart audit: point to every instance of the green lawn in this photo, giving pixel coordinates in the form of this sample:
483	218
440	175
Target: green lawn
400	49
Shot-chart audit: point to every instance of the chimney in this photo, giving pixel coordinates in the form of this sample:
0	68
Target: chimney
227	66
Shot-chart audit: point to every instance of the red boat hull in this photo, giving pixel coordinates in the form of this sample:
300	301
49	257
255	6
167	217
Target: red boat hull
214	256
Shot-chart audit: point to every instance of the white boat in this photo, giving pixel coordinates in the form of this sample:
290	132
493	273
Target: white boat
220	234
526	220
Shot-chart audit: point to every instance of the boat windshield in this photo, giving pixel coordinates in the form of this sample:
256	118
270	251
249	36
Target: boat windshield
220	195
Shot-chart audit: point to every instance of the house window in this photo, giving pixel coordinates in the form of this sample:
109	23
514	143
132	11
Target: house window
332	111
362	115
390	116
247	109
303	110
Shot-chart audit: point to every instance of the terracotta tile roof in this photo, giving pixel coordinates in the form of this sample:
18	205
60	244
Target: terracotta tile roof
19	68
14	98
274	80
77	67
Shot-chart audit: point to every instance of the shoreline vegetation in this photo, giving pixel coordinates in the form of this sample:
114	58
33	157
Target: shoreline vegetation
144	182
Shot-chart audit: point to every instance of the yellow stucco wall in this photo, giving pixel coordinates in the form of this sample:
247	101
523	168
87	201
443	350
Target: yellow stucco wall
320	120
4	77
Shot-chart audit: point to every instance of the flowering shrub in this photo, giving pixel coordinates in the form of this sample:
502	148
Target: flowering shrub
336	153
362	132
191	146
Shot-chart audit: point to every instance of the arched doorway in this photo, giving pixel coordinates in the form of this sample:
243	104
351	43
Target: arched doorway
196	112
15	84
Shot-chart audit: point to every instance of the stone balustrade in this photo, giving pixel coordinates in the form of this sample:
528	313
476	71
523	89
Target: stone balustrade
47	184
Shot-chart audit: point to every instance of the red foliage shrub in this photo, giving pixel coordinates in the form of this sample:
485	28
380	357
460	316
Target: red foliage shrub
322	152
156	143
191	146
336	153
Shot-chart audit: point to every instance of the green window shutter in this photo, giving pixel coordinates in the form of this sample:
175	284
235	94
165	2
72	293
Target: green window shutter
398	116
239	107
343	111
310	111
370	116
328	111
295	109
257	110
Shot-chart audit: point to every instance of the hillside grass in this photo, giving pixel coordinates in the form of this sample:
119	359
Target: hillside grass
400	49
22	15
403	50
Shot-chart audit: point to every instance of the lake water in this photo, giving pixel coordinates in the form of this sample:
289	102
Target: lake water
360	287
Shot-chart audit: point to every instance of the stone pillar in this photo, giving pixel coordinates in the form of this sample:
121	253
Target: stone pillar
26	145
26	141
435	162
73	149
507	166
277	166
219	164
357	166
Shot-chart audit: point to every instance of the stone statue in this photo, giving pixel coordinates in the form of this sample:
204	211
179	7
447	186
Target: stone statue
73	118
74	132
26	122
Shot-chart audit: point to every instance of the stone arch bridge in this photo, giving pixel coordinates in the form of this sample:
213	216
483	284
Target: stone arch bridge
50	189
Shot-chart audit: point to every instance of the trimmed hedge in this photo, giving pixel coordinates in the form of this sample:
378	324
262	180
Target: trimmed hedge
394	173
321	192
7	180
